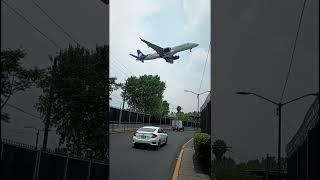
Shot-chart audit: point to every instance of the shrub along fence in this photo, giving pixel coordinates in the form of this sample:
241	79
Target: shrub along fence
202	148
20	161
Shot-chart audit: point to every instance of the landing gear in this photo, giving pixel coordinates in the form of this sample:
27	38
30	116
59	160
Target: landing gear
190	50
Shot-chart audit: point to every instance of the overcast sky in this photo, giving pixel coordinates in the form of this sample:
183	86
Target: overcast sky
86	21
254	41
165	23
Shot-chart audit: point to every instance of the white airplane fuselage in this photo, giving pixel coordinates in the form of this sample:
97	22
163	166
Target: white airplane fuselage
172	51
165	53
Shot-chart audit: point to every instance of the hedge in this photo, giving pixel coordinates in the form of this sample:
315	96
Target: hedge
202	147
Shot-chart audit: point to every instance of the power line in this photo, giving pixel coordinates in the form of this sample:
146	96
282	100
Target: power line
294	48
204	69
124	75
52	20
116	62
19	109
26	20
120	63
118	68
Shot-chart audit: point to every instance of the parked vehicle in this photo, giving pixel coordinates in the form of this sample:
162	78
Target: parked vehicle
150	135
177	125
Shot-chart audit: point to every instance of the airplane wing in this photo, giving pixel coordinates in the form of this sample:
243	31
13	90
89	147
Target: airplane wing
158	49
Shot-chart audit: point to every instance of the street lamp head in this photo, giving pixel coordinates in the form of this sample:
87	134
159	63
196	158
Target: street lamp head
243	93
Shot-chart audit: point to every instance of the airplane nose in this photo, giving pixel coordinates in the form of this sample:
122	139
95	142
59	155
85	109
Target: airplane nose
195	44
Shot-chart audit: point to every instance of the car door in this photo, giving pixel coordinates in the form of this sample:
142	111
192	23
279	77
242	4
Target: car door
161	135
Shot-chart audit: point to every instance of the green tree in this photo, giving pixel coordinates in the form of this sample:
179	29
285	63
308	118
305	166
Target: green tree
113	85
80	85
145	94
219	148
165	106
14	77
180	115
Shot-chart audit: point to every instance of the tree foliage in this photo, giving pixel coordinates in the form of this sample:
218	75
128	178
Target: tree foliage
113	85
14	77
166	108
145	94
80	86
227	169
187	116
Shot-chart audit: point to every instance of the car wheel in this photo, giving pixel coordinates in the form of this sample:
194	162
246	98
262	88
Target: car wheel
159	144
135	145
166	141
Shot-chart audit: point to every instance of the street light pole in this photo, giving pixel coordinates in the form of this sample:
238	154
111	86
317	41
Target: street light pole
198	94
279	139
198	103
279	109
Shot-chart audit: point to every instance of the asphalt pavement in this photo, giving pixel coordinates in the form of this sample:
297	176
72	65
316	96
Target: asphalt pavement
144	163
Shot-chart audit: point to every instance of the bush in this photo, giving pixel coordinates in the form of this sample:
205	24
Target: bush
202	147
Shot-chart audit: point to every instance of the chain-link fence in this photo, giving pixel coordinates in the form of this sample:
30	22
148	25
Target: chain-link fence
125	120
303	150
205	116
20	161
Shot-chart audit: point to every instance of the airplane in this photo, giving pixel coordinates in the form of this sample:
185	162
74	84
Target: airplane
165	53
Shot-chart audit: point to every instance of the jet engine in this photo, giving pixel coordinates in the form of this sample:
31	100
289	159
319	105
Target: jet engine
175	57
166	50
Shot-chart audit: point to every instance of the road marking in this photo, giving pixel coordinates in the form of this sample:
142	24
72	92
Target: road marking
177	168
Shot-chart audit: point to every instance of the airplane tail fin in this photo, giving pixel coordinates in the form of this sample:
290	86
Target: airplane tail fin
140	56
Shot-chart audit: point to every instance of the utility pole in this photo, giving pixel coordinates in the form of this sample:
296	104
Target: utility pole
48	115
198	109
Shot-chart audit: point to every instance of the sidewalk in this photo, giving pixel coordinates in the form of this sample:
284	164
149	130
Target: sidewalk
189	170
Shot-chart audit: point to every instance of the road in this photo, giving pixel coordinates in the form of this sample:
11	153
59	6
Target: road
144	163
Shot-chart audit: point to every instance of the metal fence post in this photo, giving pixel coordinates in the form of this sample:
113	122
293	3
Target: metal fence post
137	119
89	168
143	119
129	119
165	120
65	169
2	144
35	166
38	164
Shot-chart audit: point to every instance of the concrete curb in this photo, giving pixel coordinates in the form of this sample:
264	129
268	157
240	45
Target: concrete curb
175	175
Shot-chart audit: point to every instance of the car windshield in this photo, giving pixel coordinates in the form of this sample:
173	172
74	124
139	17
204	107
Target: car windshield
147	129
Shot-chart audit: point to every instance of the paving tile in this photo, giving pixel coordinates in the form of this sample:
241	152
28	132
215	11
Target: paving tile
183	177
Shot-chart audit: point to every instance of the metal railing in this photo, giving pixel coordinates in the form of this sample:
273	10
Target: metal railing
22	161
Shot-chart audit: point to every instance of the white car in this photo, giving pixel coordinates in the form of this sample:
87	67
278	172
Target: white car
150	135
